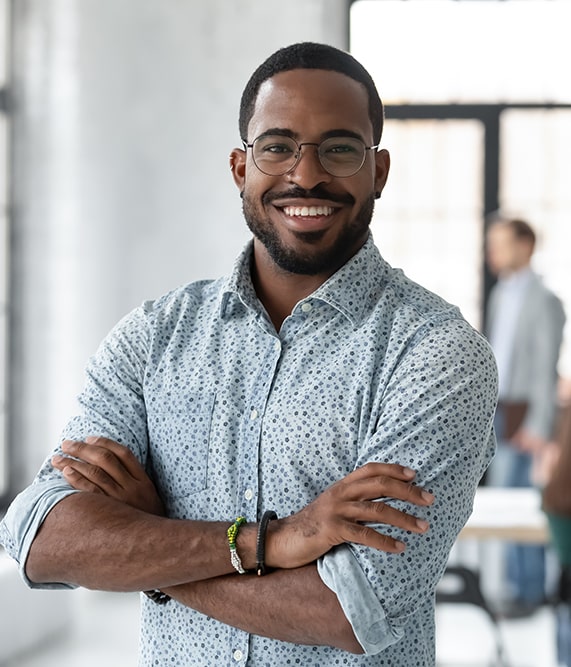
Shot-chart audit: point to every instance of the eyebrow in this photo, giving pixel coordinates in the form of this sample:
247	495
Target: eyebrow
284	132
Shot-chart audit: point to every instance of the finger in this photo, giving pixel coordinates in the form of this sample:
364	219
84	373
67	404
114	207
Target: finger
374	469
381	513
128	460
78	481
368	537
100	455
93	474
382	486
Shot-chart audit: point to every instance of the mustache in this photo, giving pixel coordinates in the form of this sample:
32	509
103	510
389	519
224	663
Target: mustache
317	192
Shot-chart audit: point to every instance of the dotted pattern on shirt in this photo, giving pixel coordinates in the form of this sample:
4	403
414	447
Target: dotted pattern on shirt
231	418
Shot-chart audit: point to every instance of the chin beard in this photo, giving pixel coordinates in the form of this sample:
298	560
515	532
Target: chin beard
307	262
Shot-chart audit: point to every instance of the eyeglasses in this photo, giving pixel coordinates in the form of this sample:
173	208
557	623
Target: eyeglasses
276	155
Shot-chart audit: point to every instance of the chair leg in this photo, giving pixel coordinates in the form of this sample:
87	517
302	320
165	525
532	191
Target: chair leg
471	593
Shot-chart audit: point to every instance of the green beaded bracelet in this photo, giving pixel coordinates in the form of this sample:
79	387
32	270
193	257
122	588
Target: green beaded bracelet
232	533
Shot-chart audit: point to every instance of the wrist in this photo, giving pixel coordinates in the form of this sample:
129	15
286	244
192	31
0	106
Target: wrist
261	565
246	545
275	554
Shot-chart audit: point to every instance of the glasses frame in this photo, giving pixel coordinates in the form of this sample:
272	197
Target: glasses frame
298	154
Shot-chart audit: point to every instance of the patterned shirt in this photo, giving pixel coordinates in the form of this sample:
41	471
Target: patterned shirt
231	418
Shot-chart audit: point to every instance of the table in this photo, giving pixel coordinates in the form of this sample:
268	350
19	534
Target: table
511	515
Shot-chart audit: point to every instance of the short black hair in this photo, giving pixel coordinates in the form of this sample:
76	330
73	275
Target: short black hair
310	55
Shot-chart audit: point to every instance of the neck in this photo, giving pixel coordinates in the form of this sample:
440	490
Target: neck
280	290
515	270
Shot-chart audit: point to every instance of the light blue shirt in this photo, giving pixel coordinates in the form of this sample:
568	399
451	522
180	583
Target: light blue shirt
511	292
231	418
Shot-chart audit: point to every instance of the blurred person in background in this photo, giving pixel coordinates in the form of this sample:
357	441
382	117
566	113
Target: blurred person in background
249	450
524	325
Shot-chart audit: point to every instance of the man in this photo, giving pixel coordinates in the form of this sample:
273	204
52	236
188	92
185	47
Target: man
310	383
525	326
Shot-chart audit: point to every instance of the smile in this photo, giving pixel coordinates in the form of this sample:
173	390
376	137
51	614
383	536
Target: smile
308	211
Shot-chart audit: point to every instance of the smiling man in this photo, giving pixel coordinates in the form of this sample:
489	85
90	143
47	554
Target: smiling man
282	458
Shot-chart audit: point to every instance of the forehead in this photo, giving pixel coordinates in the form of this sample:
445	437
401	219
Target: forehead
310	103
499	235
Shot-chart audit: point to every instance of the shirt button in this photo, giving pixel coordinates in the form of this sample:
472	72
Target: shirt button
254	414
277	346
248	494
306	307
237	655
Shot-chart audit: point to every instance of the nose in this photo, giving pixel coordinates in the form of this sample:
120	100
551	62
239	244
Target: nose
308	170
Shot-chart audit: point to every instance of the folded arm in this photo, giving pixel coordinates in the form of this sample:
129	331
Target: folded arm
289	605
189	560
112	537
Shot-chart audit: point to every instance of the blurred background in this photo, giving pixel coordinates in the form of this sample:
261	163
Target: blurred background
116	121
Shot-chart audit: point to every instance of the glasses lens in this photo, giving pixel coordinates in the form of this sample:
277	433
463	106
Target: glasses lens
342	156
274	155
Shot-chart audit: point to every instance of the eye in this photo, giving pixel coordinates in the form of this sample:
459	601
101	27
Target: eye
274	147
341	149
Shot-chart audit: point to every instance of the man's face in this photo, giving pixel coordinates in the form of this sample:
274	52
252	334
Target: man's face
308	221
505	253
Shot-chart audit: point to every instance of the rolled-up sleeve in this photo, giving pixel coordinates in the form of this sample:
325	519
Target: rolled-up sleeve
23	520
435	417
342	573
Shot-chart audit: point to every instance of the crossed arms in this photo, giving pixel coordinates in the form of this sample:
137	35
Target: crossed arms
113	536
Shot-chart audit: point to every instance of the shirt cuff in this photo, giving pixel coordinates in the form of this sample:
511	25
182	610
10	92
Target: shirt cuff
23	519
340	571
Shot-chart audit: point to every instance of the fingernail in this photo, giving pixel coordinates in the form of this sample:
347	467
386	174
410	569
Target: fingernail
400	546
423	525
409	472
90	440
56	458
427	496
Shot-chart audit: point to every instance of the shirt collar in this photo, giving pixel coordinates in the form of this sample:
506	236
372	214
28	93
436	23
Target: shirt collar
351	290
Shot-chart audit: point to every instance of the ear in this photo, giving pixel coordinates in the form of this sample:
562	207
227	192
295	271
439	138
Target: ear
238	167
382	166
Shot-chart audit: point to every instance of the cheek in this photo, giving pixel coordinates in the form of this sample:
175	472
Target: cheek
256	185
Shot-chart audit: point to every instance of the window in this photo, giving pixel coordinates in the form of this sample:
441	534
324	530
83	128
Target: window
478	118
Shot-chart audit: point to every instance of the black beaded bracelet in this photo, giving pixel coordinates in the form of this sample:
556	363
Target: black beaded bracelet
269	515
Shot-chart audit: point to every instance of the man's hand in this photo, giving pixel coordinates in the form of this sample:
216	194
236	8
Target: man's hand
103	466
339	513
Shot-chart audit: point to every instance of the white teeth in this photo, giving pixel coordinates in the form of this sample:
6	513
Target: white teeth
308	211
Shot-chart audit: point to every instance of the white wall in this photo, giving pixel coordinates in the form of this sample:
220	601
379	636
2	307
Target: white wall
125	113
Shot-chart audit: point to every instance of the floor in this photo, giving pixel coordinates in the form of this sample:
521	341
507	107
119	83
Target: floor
104	632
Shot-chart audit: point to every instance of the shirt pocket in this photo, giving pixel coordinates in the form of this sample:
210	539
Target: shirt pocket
179	442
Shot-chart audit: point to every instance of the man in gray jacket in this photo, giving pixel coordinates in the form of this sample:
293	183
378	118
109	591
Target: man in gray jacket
525	326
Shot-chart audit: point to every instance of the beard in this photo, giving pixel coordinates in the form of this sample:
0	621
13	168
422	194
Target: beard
309	262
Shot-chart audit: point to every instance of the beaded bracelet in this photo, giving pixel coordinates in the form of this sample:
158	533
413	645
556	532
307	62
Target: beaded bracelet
232	533
268	516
